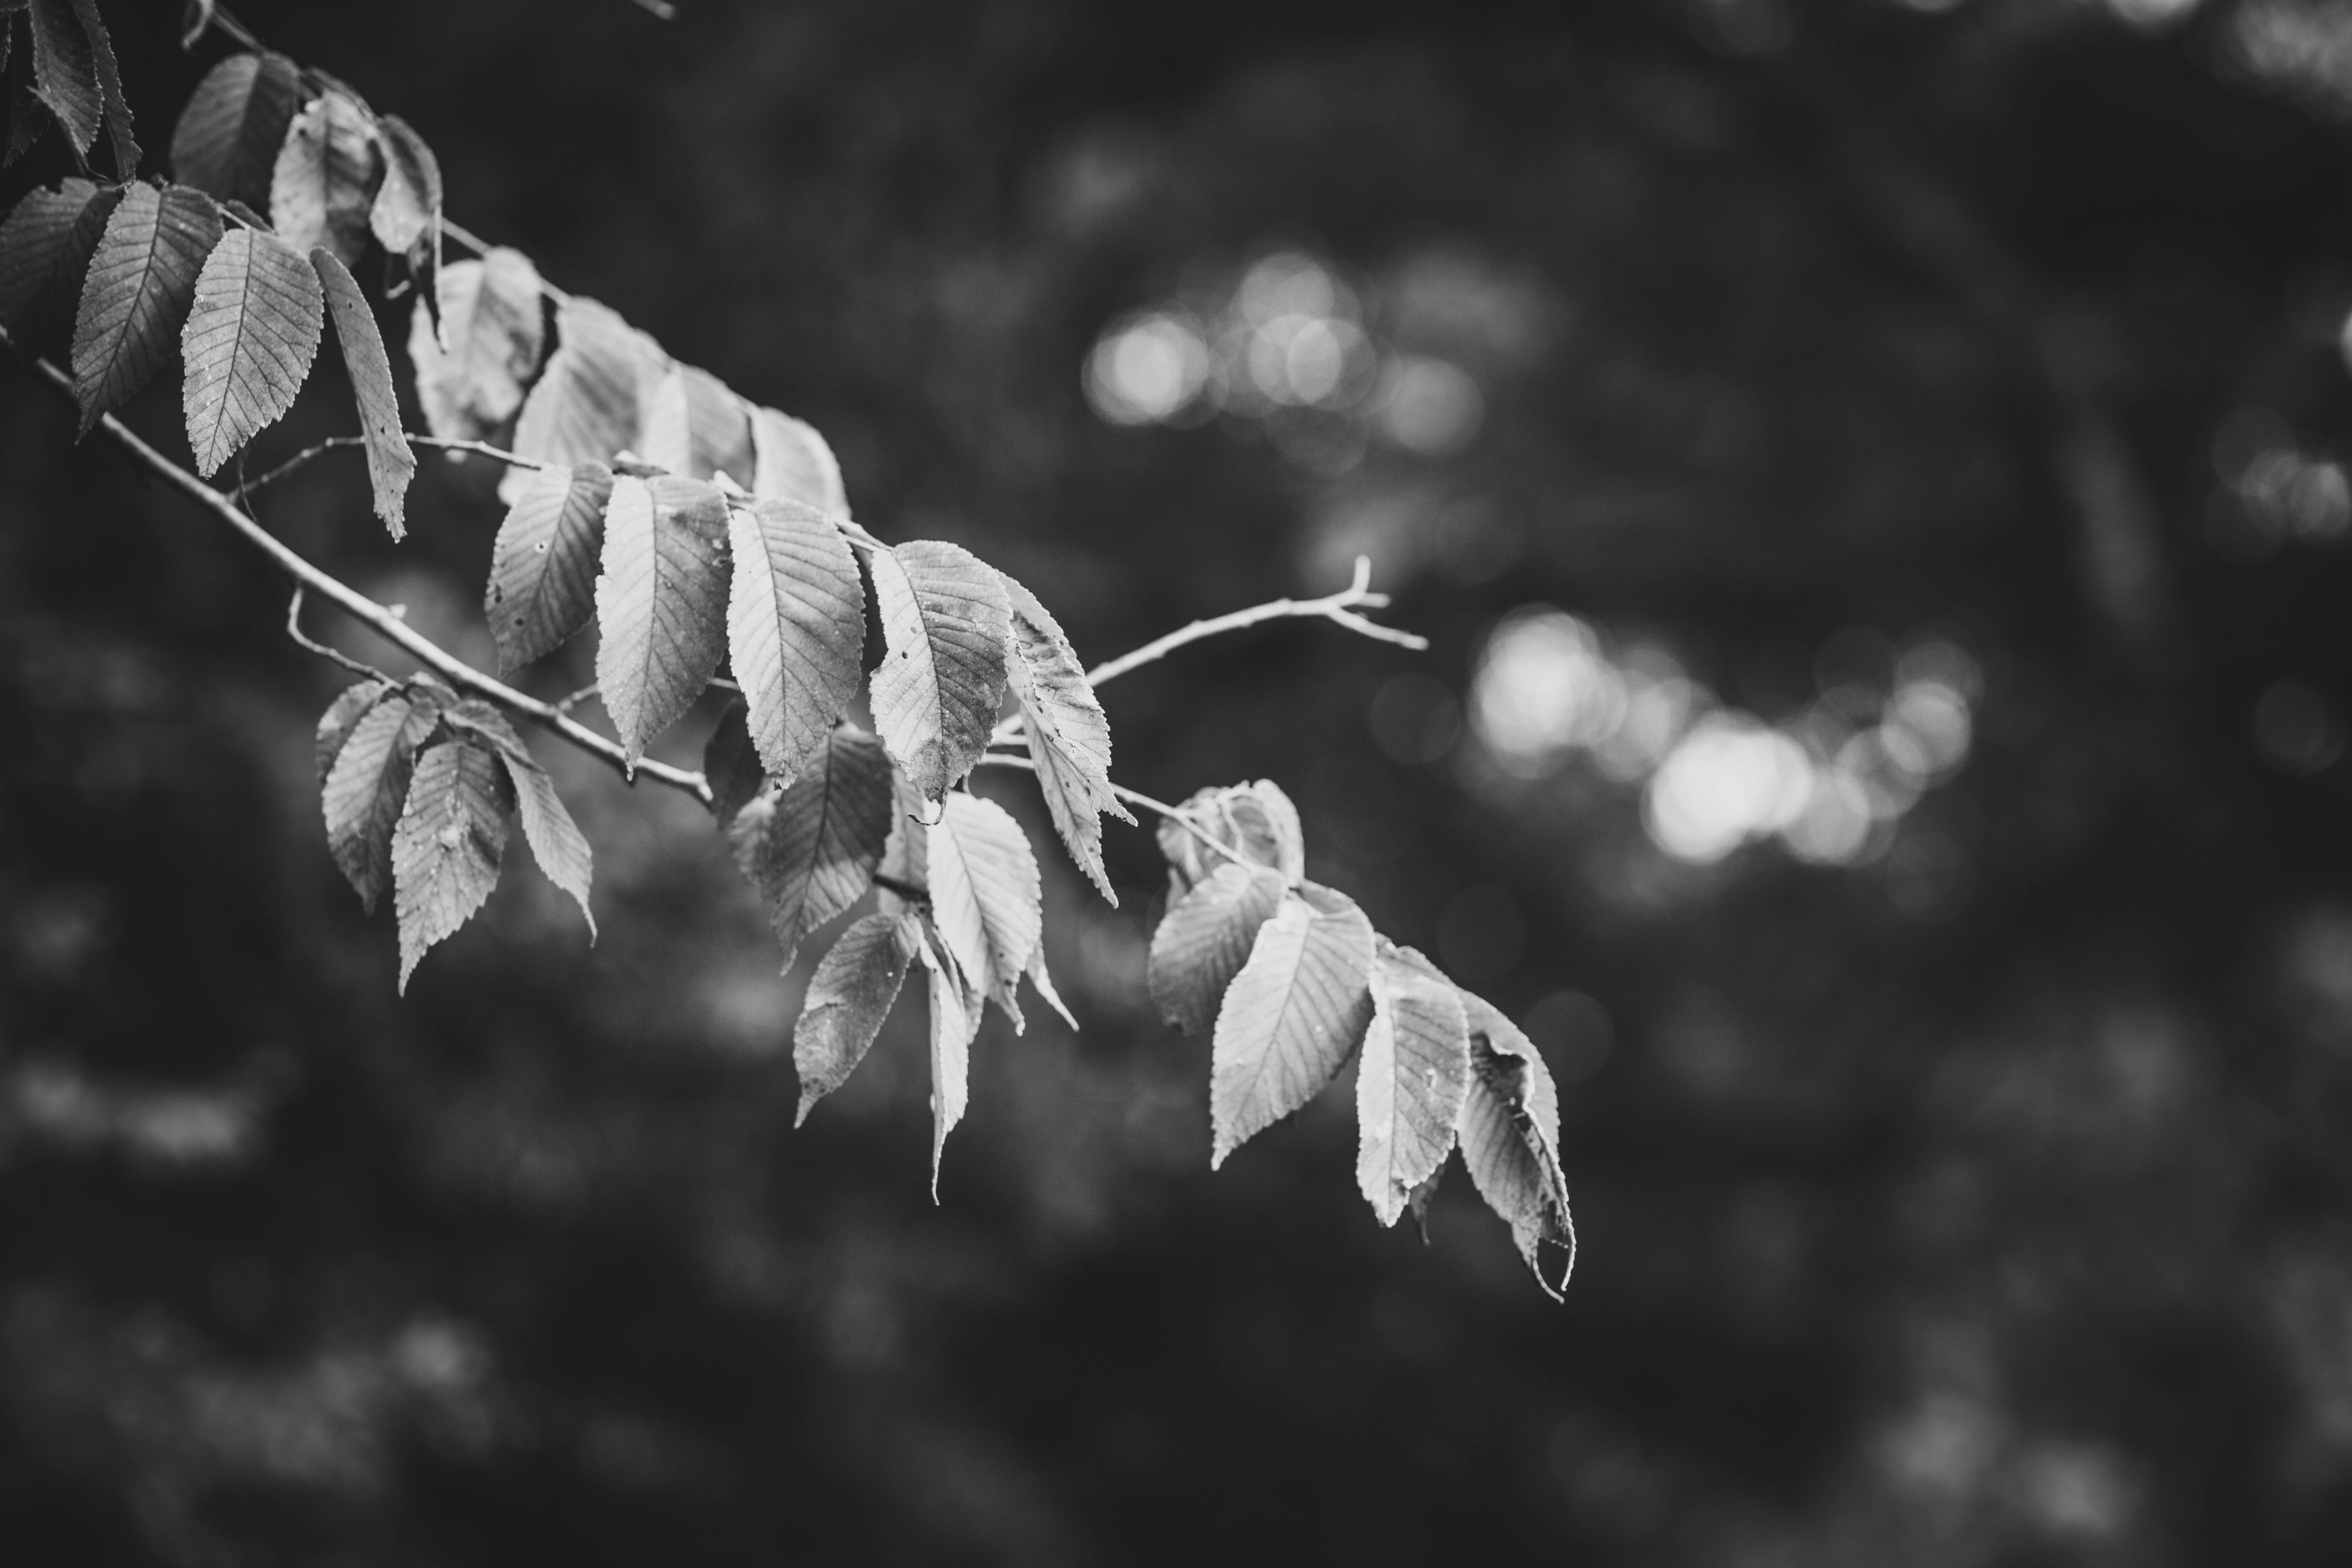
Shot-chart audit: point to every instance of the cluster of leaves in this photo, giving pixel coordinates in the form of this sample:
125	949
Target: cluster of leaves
709	539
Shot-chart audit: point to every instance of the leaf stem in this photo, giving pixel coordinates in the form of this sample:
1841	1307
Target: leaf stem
337	443
1175	814
385	622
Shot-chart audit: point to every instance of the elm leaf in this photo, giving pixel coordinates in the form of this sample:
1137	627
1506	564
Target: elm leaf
1410	1085
1509	1129
792	461
45	247
542	581
1069	737
365	786
407	206
809	848
335	724
795	627
985	899
585	407
661	602
248	343
1291	1017
324	183
943	676
693	425
555	840
228	137
390	462
65	72
445	850
848	997
731	765
955	1019
470	372
110	90
1256	821
1205	938
140	284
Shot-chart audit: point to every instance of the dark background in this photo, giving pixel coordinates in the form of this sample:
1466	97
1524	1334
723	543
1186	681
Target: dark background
1983	1200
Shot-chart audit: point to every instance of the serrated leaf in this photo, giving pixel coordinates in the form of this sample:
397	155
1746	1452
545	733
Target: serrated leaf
407	206
1291	1017
731	765
661	602
471	372
110	90
361	797
695	427
445	851
249	341
1256	821
1509	1129
585	407
985	899
791	462
943	676
906	854
955	1019
45	249
227	139
795	627
65	72
1409	1086
335	723
140	284
848	997
555	840
324	181
390	462
1069	737
1205	938
809	848
542	581
1044	981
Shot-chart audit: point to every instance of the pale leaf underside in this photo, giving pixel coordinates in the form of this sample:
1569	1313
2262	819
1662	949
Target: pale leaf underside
1069	737
249	341
1256	821
955	1019
661	602
324	180
942	676
555	840
140	283
1509	1129
848	998
584	408
793	462
796	628
694	426
542	582
366	784
1291	1017
445	850
471	377
985	896
809	848
1409	1086
1205	938
335	723
390	462
408	204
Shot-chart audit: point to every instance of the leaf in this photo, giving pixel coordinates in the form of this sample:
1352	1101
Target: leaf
849	997
110	90
407	206
661	602
471	375
1510	1139
542	581
1291	1017
324	183
1410	1085
791	462
142	282
45	248
985	896
585	407
695	427
1069	739
445	851
731	765
1204	940
367	781
1256	821
555	840
228	137
196	21
392	463
795	627
906	854
1044	981
65	72
809	848
335	723
955	1019
942	676
248	343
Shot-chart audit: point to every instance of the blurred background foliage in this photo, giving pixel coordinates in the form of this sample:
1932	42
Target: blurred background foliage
1873	474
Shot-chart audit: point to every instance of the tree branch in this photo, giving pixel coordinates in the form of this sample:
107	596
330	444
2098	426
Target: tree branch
1338	608
385	622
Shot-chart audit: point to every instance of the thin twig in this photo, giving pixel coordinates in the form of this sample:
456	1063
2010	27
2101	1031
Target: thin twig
566	704
439	443
336	654
378	618
1338	608
1175	814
